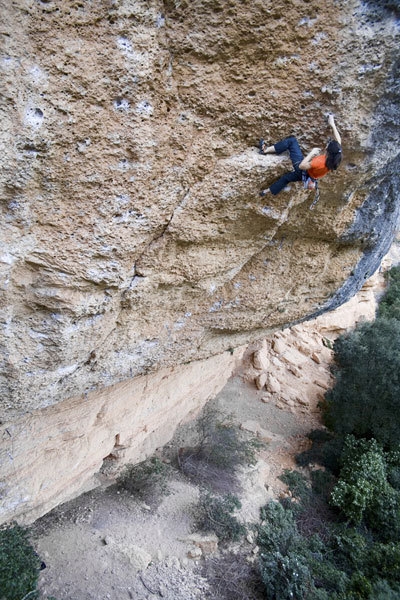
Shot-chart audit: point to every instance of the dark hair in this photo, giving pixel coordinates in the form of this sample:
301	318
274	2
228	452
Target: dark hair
333	155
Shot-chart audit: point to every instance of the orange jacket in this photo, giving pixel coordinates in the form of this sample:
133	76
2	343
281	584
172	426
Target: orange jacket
318	167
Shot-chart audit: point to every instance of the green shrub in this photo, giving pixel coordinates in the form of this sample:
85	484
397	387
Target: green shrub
225	448
383	516
350	547
301	566
278	531
394	477
359	587
308	493
328	577
19	564
389	306
286	577
309	501
384	561
365	399
220	441
216	514
338	562
147	480
284	554
325	451
297	484
363	490
220	450
381	590
346	565
322	483
363	478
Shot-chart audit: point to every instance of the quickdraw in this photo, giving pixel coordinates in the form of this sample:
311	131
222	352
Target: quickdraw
309	183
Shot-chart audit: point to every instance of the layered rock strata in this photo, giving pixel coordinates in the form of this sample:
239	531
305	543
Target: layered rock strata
292	368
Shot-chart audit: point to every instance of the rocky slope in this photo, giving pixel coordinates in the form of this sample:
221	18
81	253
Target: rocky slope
133	240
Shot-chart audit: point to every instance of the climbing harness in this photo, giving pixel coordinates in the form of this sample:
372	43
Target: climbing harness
309	183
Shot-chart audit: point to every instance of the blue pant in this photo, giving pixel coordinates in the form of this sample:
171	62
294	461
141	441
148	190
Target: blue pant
296	156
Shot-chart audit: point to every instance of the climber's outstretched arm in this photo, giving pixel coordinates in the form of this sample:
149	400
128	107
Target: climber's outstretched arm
336	134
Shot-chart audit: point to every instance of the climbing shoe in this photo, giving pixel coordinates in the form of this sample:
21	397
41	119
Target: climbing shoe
264	193
261	146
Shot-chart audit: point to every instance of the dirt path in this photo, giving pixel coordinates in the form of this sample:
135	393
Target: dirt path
106	544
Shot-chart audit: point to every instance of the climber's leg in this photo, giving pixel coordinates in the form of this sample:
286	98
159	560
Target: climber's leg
282	182
290	143
296	156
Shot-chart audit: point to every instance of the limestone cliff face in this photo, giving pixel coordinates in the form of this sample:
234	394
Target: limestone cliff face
133	238
132	231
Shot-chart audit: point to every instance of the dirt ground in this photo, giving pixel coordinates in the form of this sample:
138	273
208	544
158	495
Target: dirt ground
107	544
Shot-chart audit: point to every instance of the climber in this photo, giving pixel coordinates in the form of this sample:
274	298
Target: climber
314	166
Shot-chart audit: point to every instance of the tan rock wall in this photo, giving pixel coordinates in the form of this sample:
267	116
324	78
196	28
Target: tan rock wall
132	234
55	453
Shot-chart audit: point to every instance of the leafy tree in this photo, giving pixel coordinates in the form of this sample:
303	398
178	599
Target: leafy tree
363	491
362	478
365	400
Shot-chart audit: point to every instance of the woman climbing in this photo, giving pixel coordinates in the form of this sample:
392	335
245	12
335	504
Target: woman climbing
314	166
